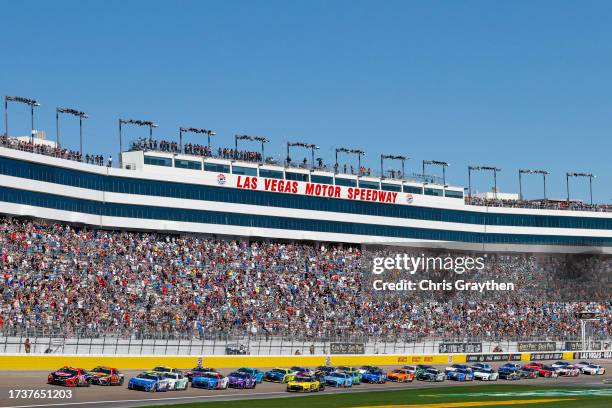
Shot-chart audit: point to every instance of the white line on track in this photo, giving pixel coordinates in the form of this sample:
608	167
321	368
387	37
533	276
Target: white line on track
197	397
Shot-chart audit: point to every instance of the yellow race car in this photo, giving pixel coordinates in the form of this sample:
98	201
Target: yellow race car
305	384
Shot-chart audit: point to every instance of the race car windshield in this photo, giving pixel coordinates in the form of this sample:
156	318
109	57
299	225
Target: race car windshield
245	370
209	375
102	370
432	371
303	379
162	369
67	371
397	371
170	375
342	368
375	371
148	376
276	370
337	375
239	375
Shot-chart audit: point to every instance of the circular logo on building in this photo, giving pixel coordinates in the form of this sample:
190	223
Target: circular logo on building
221	179
409	198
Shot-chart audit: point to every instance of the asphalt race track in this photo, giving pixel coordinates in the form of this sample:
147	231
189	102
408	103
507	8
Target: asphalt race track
99	397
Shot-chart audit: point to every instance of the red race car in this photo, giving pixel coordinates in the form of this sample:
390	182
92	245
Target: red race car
101	375
70	377
543	370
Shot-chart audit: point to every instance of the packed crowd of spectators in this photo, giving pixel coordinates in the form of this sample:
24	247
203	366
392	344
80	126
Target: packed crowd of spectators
64	279
539	204
48	150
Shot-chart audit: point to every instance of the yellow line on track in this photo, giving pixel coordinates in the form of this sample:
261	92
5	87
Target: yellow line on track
470	403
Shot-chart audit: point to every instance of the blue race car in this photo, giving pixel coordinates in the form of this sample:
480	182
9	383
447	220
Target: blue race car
374	375
259	375
460	374
149	381
210	381
338	379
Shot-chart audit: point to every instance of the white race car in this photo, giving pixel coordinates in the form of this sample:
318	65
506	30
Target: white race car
582	364
567	371
410	368
560	364
177	381
484	374
593	369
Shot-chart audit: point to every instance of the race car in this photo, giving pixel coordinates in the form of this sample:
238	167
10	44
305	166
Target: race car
580	365
106	376
529	373
353	372
419	368
149	381
69	377
430	374
460	374
455	367
305	383
567	371
485	374
241	380
514	366
259	375
210	381
301	370
560	364
364	369
178	382
400	375
542	370
508	373
196	371
281	375
374	375
593	369
165	369
410	368
338	379
481	366
324	370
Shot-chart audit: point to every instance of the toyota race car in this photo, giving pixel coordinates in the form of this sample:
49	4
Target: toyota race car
485	374
259	375
177	381
338	379
106	376
149	381
460	374
374	375
593	369
211	381
400	375
199	370
70	377
281	375
543	370
241	380
430	374
305	384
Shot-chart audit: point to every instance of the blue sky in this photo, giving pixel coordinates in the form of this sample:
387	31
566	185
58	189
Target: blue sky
513	84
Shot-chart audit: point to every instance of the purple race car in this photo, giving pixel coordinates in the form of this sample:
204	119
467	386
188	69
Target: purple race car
241	380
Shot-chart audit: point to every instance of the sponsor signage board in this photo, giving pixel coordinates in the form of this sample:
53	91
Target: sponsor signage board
445	348
525	347
347	348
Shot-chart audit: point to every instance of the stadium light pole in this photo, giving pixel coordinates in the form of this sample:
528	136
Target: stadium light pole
26	101
440	163
206	132
73	112
136	122
310	146
358	152
544	173
483	168
391	157
260	139
590	176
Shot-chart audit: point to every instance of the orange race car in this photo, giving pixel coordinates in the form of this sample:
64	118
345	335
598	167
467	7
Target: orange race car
400	375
